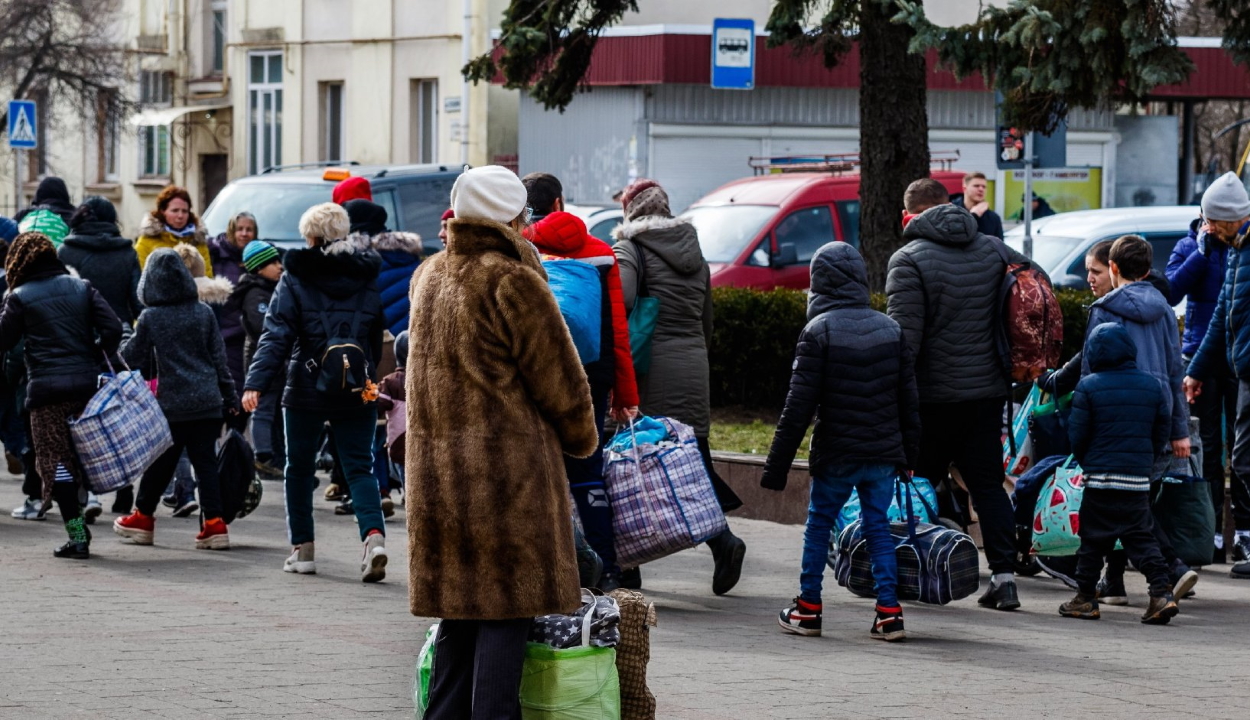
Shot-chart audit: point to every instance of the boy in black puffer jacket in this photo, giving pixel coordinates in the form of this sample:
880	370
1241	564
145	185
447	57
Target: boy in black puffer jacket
853	371
1120	416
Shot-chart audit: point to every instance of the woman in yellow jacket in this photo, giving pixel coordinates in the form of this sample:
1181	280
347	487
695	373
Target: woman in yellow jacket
171	223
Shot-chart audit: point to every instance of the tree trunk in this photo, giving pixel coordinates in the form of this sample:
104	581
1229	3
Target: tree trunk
893	133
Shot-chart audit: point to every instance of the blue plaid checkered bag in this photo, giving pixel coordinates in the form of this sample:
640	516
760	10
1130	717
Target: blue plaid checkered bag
120	433
662	498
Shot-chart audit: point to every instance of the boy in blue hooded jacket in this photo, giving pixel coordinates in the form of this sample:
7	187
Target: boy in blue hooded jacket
1151	324
1120	415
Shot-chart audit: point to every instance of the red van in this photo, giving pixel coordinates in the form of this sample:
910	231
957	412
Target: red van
761	231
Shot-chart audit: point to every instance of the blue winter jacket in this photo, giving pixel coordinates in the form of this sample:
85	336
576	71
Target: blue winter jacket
1151	324
1228	334
1120	415
401	254
1196	269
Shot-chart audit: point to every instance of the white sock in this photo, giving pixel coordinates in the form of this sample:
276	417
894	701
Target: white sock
1219	541
1000	578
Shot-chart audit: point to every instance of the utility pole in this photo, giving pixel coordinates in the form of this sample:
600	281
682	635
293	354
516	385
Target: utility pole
1028	195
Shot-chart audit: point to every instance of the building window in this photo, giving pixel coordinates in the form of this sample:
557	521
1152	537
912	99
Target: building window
331	94
264	111
218	53
156	89
108	136
424	121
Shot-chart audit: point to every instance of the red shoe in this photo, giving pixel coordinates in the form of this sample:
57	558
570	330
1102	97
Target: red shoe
214	536
136	527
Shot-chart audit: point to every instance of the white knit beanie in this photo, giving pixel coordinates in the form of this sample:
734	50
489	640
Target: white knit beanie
1226	199
492	192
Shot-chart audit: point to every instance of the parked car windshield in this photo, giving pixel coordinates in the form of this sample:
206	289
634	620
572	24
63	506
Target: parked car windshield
725	230
277	207
1048	250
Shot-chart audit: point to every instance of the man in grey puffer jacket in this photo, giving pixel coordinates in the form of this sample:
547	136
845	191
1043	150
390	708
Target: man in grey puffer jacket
942	288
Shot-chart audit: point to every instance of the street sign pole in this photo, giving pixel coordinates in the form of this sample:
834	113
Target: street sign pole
1028	195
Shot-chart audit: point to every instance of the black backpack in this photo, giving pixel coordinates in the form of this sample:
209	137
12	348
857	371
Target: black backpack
236	473
344	365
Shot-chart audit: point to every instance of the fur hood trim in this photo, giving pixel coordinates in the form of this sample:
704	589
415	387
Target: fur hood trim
628	230
352	244
213	291
477	236
396	241
154	227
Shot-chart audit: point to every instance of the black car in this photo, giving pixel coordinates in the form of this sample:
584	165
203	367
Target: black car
415	197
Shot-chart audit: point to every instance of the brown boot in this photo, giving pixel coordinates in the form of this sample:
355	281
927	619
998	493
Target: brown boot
1082	606
1162	609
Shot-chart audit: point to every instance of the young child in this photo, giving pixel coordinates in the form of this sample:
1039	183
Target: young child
1120	415
252	295
1142	309
391	401
853	371
177	340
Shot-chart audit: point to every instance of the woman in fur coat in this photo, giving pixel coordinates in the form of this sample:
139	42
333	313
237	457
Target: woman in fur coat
495	393
172	222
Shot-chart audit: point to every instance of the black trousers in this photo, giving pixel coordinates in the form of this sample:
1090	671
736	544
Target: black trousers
1240	421
199	439
477	670
590	491
1110	515
968	435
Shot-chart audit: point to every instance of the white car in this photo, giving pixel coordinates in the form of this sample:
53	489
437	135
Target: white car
1061	241
600	221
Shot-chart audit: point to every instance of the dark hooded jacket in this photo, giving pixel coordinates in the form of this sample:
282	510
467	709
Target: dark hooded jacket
853	371
252	296
177	341
68	328
52	194
1196	271
942	288
401	253
336	281
1151	324
1120	415
677	384
99	254
227	262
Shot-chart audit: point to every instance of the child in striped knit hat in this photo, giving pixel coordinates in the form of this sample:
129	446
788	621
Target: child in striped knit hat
252	295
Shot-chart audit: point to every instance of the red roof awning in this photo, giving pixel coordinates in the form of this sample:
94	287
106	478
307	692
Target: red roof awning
685	58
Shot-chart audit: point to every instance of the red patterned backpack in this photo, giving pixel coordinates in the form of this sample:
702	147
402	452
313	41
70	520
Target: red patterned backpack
1031	335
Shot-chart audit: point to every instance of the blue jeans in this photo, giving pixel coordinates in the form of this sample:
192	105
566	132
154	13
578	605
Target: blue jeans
830	491
182	485
353	438
267	436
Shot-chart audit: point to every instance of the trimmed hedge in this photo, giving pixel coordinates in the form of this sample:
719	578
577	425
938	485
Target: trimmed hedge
755	333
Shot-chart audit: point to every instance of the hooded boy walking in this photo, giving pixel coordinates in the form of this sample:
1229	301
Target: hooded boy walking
853	371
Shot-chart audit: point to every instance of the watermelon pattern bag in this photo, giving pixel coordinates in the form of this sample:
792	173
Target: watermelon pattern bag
1056	521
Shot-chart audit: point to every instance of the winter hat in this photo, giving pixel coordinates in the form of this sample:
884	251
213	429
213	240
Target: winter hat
257	254
353	188
367	217
448	214
94	209
401	349
491	192
8	229
650	200
1226	199
51	190
629	193
32	254
191	259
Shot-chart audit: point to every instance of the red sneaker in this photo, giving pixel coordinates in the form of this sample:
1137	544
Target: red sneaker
213	536
136	527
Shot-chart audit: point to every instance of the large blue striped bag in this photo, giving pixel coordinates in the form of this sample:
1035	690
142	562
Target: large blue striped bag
661	496
120	433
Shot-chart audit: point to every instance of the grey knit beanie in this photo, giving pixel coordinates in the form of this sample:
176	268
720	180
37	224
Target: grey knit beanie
1226	199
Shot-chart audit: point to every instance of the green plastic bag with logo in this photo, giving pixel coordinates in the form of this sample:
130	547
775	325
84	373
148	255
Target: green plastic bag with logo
570	684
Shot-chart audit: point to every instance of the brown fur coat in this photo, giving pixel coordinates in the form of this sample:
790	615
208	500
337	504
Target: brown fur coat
495	392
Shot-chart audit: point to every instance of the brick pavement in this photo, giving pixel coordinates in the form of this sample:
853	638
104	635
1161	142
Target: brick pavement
171	632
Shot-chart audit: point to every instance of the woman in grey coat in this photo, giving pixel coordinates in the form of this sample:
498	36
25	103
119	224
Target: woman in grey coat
659	256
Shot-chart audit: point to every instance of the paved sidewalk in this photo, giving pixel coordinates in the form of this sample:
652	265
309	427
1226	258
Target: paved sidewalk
172	632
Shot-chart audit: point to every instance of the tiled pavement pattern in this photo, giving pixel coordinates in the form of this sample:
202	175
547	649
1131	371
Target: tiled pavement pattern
172	632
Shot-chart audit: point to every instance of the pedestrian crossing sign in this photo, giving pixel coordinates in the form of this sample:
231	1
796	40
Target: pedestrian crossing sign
22	132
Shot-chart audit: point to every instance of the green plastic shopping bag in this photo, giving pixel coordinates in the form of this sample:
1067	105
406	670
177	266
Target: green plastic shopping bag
570	684
425	667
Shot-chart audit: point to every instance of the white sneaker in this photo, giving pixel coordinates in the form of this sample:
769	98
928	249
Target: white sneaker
29	510
301	561
93	509
373	564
